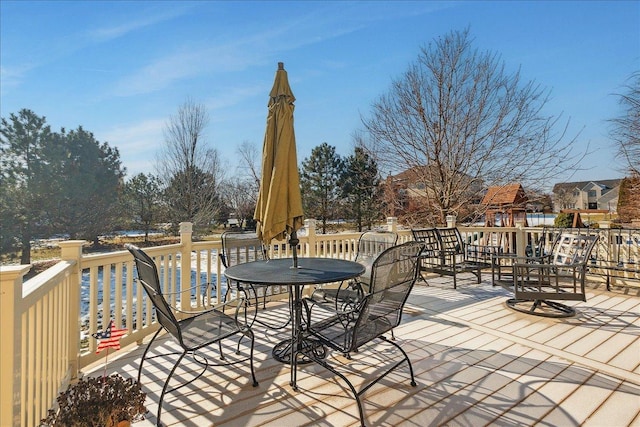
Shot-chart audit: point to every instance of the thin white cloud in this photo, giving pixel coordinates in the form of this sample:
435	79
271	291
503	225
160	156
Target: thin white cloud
234	96
255	47
137	143
183	64
13	76
65	44
121	29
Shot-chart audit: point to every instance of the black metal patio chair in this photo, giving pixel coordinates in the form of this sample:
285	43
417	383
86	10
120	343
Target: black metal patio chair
539	283
193	333
239	247
393	275
370	245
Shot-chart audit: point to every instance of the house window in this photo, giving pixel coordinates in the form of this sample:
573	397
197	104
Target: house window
592	193
576	193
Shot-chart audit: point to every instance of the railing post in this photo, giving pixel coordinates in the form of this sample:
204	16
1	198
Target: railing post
310	225
451	221
11	278
186	234
521	239
392	224
71	250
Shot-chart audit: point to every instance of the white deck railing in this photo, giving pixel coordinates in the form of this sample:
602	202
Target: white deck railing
47	321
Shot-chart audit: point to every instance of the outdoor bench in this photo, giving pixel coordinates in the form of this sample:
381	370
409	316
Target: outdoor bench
445	253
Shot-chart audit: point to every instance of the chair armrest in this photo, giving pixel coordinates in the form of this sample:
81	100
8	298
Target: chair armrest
550	265
331	307
524	259
195	290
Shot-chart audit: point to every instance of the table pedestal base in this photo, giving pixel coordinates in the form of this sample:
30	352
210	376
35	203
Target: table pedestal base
282	351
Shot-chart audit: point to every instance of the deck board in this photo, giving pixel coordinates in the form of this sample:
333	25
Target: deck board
476	363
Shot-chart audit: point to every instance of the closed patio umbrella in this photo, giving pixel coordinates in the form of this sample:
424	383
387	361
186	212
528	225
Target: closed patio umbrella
279	208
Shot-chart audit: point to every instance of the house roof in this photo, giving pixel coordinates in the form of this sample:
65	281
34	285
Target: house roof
510	194
608	183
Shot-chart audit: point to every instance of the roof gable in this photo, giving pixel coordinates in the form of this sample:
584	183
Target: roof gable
564	186
510	194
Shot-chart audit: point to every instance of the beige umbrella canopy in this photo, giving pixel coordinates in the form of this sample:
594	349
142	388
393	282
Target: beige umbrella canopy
279	208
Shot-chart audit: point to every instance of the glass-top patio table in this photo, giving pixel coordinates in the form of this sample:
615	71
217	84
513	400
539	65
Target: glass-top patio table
310	271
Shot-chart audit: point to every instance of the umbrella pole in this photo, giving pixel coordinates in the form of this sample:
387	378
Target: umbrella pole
293	242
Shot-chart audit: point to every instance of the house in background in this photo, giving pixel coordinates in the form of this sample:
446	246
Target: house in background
408	194
587	195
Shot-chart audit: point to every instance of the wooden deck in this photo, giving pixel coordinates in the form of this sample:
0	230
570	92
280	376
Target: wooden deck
476	363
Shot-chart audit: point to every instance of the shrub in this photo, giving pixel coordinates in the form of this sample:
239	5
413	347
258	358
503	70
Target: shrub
98	402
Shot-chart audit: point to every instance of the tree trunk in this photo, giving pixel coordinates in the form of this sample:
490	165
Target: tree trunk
25	257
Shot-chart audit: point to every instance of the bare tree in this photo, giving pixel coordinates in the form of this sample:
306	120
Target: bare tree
460	123
189	169
625	130
241	193
251	164
241	196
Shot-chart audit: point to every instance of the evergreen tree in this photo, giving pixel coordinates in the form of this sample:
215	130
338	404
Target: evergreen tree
360	184
24	183
55	182
143	201
89	177
319	182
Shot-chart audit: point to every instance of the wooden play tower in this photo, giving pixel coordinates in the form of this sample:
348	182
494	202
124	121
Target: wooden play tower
506	206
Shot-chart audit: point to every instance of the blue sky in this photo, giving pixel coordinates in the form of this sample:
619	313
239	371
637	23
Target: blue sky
120	69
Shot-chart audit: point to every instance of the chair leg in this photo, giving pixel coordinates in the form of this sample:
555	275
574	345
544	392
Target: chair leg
166	384
355	393
251	336
146	350
406	357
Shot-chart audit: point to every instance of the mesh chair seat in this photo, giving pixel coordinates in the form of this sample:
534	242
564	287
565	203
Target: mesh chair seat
202	329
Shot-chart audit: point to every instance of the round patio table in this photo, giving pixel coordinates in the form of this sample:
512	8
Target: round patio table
310	271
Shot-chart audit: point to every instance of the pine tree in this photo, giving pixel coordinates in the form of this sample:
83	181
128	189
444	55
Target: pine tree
24	183
319	180
360	184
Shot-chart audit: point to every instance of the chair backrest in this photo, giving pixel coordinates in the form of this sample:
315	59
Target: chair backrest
429	238
546	243
239	247
393	275
451	240
370	245
148	277
573	249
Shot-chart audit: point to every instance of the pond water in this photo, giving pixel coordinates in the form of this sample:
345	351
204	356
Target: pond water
203	280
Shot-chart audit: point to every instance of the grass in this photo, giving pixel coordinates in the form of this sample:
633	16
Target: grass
43	258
